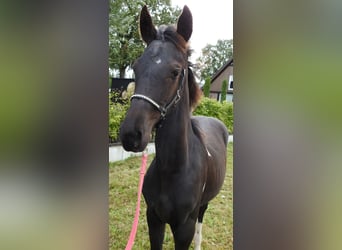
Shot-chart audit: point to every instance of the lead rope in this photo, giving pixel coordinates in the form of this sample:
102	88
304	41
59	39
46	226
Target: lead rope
137	210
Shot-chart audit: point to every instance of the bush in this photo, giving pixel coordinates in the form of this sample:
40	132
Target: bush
117	112
227	115
222	111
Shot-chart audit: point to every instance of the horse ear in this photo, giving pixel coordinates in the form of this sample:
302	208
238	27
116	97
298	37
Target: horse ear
184	25
147	30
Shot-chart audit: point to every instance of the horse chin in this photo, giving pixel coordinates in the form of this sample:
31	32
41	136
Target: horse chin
139	147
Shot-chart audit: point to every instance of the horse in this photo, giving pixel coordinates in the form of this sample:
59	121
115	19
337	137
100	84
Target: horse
190	160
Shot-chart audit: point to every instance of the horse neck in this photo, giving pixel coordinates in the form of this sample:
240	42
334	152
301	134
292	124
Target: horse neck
172	138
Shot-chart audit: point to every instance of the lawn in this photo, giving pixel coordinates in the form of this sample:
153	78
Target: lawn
217	229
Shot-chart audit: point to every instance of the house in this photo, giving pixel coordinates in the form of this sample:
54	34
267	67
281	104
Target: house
225	72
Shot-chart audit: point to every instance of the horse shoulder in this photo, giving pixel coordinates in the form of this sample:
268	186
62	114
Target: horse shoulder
211	129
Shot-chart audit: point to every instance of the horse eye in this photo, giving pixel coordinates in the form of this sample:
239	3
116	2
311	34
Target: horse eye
175	73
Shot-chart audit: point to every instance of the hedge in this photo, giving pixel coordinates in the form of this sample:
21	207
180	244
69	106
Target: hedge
117	112
220	110
207	107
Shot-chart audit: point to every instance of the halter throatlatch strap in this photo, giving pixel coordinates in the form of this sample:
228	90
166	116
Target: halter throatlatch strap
164	109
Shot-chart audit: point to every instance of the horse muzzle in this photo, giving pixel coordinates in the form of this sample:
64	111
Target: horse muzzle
136	129
132	140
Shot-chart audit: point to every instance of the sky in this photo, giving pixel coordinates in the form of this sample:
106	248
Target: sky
212	20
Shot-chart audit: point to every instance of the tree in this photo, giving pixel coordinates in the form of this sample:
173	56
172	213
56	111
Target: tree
206	87
125	44
213	57
224	90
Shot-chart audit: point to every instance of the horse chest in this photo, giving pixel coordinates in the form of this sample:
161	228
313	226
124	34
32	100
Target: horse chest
172	199
173	207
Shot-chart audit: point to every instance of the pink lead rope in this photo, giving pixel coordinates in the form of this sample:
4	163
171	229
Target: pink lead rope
137	210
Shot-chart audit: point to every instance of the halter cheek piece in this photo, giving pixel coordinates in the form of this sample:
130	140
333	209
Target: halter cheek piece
164	109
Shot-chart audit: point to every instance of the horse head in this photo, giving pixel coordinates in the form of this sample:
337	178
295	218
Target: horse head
161	75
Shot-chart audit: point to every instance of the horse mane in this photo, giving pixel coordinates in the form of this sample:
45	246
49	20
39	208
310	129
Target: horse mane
169	33
194	90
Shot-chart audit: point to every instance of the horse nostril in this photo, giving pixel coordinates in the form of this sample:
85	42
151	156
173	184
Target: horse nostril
137	139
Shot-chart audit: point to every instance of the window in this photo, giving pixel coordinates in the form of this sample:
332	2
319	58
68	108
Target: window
230	82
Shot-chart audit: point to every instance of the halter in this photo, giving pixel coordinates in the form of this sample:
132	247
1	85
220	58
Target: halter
164	109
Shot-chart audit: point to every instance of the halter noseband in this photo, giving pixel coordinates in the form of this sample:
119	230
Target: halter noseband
164	109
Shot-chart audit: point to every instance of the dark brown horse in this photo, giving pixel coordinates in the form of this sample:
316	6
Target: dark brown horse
190	163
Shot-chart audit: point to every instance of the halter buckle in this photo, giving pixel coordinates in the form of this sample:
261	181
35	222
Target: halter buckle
163	112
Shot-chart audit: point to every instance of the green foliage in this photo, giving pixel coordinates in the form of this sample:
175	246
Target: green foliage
214	57
206	87
125	44
222	111
224	90
117	112
227	115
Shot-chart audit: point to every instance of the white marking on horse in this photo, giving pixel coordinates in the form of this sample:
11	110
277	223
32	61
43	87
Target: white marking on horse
203	187
158	60
208	152
198	236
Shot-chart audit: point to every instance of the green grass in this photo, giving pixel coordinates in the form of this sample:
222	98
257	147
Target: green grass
217	232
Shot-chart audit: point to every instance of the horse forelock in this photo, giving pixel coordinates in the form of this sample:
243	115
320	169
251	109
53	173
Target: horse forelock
169	34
